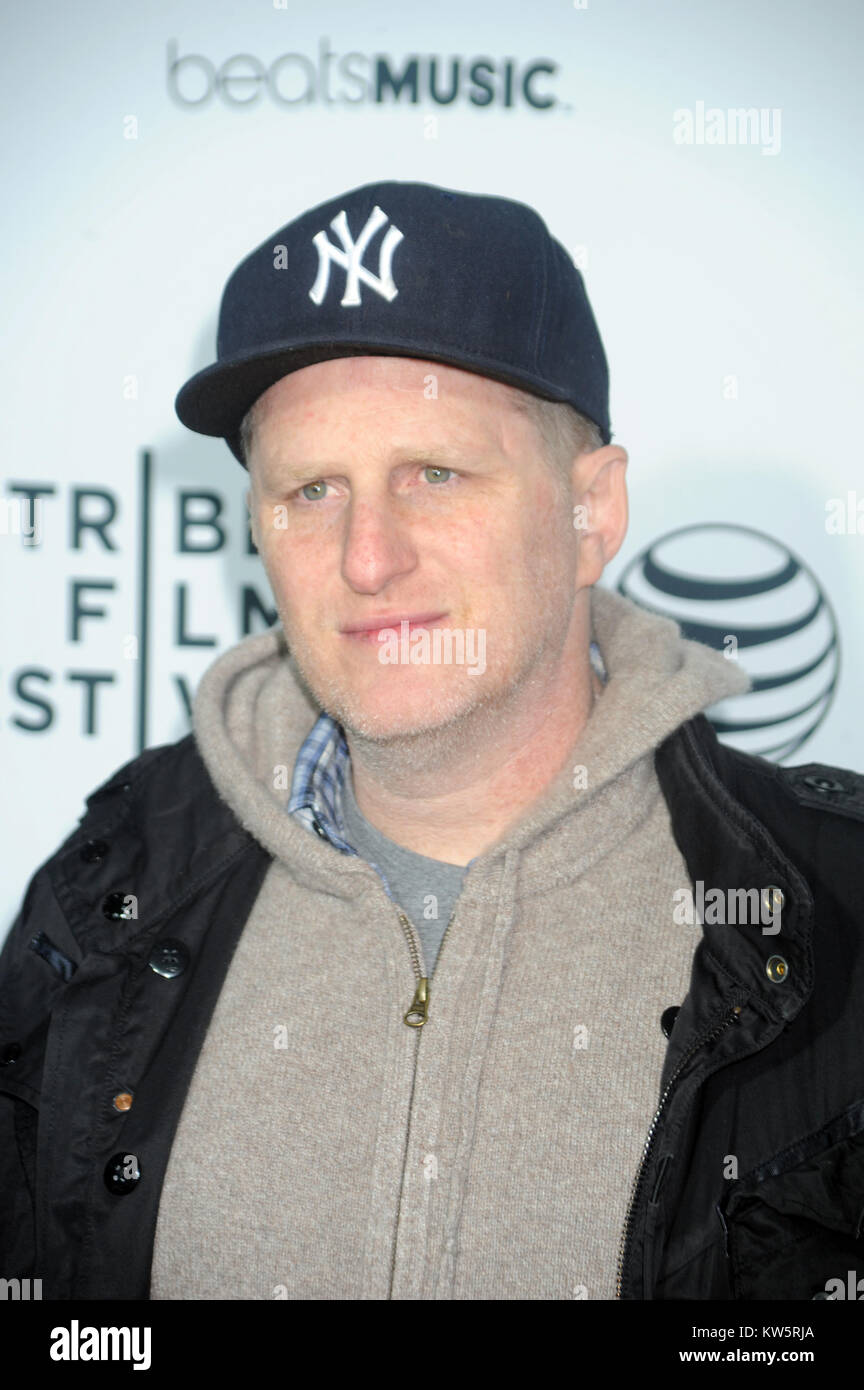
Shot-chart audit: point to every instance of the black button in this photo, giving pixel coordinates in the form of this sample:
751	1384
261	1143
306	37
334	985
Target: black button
94	851
122	1174
115	907
169	958
825	784
668	1017
9	1054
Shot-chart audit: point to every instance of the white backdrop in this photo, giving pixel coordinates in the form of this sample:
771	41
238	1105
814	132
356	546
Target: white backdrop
722	262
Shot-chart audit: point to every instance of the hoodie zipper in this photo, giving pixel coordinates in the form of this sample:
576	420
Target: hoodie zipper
715	1032
415	1018
419	1009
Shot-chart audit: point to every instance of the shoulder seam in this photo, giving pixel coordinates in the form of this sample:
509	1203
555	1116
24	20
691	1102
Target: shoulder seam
132	772
824	787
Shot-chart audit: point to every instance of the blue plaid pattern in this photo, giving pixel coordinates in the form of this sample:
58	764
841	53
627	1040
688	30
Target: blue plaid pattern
320	771
316	787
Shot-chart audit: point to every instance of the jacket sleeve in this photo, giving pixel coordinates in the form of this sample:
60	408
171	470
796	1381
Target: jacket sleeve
38	942
38	959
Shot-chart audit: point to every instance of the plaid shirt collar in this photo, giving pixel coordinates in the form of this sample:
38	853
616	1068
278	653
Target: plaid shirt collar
321	768
319	775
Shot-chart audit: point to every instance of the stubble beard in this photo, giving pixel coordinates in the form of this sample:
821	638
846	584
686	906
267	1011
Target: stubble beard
465	717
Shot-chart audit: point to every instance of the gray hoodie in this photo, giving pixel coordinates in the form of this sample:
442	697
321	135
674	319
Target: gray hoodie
328	1151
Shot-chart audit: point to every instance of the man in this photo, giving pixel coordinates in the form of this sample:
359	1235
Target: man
408	1008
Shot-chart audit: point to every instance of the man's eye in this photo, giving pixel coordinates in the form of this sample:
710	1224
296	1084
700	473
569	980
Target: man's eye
316	496
314	492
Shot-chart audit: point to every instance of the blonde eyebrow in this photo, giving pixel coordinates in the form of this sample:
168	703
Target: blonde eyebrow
407	455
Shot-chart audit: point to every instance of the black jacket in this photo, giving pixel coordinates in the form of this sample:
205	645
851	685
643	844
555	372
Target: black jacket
751	1185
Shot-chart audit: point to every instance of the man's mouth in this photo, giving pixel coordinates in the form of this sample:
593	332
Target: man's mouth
367	629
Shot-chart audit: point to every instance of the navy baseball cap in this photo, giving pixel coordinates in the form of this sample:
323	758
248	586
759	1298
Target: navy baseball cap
409	270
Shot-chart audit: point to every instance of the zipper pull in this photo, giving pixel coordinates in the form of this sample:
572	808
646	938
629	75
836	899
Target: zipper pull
419	1005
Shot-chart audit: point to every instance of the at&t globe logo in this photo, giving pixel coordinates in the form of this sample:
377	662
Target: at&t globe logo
747	595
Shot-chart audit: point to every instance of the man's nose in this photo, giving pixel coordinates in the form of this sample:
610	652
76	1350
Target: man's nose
377	547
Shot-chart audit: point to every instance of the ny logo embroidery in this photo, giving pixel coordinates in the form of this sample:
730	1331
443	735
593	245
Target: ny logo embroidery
351	258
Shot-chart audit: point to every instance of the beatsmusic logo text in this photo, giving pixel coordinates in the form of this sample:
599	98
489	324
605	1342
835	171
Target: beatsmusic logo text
295	80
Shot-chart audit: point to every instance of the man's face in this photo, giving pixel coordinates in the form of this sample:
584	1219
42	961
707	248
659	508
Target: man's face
386	488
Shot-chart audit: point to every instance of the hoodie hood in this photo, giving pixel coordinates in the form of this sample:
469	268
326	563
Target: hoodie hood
251	714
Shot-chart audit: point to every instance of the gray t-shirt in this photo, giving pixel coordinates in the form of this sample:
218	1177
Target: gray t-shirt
425	889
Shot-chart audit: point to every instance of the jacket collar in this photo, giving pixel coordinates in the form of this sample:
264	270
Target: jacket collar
726	847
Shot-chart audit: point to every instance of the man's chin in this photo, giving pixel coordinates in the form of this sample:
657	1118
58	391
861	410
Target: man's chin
389	722
385	712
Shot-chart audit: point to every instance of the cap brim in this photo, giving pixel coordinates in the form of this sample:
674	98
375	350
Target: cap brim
214	401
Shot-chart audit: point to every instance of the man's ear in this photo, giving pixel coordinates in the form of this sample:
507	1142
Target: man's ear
600	509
